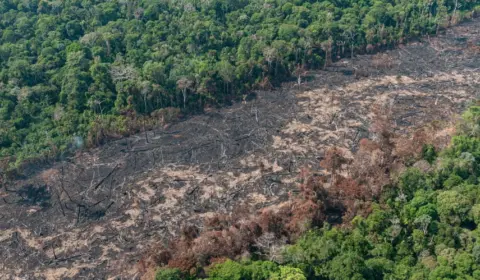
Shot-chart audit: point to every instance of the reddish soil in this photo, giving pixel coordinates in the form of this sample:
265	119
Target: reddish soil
93	216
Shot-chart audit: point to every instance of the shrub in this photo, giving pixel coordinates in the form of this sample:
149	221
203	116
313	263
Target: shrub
289	273
168	274
229	270
428	153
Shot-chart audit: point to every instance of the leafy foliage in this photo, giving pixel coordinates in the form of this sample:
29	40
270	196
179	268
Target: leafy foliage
426	228
168	274
89	69
259	270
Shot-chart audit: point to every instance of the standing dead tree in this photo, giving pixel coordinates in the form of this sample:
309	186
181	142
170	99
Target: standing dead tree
333	161
299	72
184	84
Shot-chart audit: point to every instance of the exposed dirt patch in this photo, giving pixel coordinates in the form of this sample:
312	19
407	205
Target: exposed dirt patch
93	216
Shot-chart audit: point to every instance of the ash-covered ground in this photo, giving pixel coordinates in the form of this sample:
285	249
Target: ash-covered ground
95	215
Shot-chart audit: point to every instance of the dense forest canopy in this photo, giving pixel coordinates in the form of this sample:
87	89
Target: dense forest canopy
76	71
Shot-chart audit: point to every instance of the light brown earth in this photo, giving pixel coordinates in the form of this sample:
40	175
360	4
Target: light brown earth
94	215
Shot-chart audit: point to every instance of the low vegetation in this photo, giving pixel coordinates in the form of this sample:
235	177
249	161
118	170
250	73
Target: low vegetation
75	73
422	223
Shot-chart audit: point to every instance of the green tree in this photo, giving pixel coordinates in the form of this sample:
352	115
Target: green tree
453	207
228	270
289	273
168	274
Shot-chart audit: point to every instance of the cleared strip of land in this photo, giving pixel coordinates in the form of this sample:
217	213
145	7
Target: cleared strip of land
96	214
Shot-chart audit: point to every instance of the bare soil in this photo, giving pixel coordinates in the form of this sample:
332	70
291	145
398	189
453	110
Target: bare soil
94	216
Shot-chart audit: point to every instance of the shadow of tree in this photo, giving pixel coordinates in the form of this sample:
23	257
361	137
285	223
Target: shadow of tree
34	195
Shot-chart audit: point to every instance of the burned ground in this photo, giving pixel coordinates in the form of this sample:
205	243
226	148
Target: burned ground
94	215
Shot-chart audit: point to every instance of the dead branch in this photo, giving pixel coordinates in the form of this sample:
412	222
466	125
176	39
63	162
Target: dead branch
106	177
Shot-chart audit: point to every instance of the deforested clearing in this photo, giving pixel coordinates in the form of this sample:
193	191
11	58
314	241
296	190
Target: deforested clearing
97	214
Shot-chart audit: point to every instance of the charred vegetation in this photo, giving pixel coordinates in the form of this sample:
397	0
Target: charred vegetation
245	179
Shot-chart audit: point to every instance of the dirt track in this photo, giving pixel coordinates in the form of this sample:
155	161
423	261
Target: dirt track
93	216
